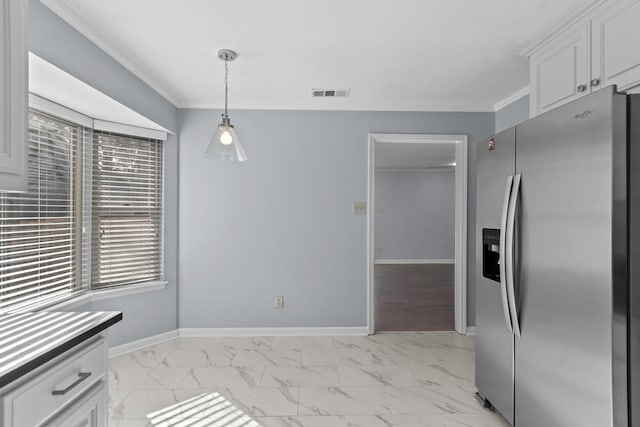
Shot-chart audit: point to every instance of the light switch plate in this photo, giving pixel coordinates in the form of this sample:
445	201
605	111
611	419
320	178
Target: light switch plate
359	208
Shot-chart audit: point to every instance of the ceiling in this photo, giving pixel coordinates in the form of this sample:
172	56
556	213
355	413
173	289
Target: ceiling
432	155
403	55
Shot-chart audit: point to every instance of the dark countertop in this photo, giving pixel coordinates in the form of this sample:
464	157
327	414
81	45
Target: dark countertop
27	340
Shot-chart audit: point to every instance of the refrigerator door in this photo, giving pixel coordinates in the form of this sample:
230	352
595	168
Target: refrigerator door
634	262
564	284
494	340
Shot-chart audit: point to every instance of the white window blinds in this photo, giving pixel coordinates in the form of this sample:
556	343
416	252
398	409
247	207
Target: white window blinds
40	231
126	241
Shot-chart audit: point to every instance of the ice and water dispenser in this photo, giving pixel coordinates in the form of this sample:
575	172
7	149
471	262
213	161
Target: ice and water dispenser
491	253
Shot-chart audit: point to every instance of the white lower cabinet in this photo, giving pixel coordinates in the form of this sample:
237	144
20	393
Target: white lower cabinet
90	411
67	391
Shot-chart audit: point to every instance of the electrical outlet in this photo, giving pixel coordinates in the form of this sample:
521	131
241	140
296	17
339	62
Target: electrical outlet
279	302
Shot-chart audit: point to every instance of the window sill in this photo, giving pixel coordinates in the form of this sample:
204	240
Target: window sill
125	290
102	294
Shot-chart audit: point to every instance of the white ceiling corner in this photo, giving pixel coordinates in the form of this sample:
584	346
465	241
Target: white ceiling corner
57	86
60	8
410	55
511	98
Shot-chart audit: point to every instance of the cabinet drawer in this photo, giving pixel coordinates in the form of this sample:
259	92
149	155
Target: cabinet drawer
43	396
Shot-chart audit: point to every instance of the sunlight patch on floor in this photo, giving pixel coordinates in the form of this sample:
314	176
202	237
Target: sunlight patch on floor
205	410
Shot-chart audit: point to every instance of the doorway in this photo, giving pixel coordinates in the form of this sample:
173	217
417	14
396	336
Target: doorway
416	154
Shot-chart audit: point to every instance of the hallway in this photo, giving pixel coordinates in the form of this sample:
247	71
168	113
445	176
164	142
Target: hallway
414	297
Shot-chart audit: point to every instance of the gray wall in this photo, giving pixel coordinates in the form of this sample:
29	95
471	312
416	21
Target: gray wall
417	220
55	41
282	223
512	114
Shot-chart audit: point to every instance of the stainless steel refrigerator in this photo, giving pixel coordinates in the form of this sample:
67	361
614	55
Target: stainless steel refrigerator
557	309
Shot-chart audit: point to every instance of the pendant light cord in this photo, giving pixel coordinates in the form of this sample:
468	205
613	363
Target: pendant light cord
226	86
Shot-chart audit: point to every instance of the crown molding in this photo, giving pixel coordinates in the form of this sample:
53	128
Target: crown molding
116	52
511	98
480	108
575	17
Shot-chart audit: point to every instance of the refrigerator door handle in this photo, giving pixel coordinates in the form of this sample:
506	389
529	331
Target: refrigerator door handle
509	255
502	252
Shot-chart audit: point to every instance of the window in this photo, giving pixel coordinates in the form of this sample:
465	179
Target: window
40	231
126	210
93	214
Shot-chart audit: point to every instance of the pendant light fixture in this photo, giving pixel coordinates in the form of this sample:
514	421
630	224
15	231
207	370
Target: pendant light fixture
225	144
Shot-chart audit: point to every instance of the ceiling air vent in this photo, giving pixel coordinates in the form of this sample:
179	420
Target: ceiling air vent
329	93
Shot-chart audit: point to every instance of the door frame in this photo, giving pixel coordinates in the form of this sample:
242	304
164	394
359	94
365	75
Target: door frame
461	172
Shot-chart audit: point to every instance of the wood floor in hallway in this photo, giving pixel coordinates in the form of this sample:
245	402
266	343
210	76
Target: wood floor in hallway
414	297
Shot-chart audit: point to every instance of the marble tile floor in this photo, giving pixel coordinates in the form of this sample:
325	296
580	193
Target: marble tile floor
387	380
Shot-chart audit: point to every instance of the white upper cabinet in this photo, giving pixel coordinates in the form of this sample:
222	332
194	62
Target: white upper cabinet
616	46
13	95
598	48
560	71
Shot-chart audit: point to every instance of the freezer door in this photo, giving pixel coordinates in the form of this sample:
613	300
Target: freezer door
563	358
494	340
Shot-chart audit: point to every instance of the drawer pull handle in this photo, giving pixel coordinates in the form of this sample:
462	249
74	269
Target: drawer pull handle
81	377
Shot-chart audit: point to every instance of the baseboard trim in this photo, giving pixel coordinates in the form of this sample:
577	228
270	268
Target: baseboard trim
119	350
415	261
142	343
273	332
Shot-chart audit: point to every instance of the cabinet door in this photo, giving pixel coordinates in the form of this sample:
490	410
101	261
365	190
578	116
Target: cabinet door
13	95
88	412
560	71
616	55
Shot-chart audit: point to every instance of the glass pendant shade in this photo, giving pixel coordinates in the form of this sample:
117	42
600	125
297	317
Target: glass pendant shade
225	144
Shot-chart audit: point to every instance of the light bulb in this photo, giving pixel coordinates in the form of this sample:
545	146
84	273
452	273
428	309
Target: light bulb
226	138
